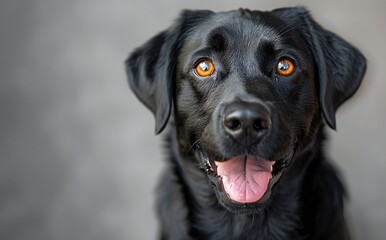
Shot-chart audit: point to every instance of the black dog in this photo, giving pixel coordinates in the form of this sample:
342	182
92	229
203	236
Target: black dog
247	92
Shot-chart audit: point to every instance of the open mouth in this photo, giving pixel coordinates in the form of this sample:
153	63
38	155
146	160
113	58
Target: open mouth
244	179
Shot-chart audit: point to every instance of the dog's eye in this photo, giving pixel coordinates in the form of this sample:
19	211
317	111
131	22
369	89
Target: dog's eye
204	68
285	67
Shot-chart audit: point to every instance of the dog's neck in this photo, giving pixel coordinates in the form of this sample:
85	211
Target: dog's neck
203	209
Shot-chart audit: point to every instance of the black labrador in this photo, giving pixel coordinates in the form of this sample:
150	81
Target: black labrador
246	94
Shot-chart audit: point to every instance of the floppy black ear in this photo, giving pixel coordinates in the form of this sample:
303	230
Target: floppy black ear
150	72
150	68
340	65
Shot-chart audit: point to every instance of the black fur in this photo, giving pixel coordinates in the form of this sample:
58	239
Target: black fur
306	202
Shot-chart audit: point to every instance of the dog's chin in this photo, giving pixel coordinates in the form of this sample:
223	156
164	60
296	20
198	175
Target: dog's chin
245	184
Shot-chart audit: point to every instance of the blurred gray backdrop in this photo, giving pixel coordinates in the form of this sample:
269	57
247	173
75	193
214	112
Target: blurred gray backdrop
78	155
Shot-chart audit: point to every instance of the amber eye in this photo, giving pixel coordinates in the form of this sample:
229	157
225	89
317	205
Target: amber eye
204	68
285	67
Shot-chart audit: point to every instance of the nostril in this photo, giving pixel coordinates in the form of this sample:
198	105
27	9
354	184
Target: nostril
260	124
232	124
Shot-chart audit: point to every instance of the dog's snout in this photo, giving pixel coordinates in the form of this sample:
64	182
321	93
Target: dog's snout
247	122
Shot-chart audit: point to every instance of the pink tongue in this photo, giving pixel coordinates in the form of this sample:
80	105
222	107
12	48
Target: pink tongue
245	180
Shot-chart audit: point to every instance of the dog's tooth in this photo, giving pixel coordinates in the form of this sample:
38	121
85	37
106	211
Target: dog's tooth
216	163
272	164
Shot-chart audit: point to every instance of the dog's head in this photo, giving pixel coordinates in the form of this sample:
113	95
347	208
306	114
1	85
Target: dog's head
248	88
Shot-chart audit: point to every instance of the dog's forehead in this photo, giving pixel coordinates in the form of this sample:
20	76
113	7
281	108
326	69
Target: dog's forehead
245	29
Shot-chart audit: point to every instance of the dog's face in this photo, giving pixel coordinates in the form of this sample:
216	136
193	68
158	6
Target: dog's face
249	90
246	95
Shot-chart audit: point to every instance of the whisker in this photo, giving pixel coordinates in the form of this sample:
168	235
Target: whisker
190	148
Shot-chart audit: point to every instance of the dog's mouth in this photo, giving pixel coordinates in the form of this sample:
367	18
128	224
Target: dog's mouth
246	180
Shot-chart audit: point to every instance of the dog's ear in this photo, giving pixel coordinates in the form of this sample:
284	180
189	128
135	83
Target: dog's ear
340	65
150	68
150	74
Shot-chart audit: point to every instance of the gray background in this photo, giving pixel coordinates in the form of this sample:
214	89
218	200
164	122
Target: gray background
78	155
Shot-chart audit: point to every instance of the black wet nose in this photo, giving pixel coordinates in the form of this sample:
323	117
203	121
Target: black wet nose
247	122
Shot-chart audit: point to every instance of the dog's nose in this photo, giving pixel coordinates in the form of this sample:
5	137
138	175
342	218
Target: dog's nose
247	122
